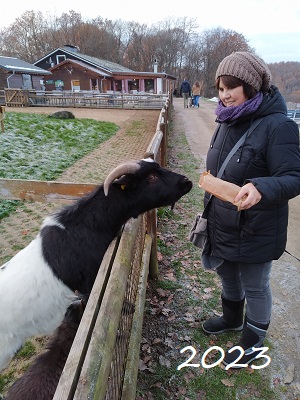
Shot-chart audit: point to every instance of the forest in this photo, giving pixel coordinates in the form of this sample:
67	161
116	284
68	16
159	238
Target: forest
176	43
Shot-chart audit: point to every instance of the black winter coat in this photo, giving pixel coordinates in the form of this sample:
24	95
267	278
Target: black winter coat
270	159
185	88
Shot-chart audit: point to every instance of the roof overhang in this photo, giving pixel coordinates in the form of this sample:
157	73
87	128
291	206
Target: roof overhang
146	75
80	65
32	71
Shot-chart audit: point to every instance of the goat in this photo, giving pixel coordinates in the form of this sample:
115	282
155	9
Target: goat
40	380
36	285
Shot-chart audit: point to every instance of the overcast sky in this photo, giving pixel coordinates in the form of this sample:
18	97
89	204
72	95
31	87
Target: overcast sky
272	27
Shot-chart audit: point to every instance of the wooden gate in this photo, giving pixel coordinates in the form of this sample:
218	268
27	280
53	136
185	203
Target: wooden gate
16	97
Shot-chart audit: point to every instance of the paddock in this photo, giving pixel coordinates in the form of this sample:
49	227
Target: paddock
103	362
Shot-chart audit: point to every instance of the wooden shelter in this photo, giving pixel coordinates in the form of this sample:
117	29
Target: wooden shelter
74	71
16	73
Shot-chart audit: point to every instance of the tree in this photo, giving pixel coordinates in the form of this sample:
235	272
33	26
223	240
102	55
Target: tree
286	76
175	43
135	47
24	38
215	45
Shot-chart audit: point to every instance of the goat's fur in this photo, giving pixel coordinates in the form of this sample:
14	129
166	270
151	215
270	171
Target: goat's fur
40	380
37	285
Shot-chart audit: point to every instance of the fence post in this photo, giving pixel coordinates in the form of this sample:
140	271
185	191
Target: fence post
163	148
2	114
152	231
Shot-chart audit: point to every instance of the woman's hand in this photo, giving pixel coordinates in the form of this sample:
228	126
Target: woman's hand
249	196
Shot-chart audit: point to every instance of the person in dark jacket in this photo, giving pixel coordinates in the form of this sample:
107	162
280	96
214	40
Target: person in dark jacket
242	244
185	92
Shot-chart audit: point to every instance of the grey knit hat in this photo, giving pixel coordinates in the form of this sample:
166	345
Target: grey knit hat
248	67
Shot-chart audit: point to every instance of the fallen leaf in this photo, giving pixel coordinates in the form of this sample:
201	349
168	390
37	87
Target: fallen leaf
170	276
166	311
172	317
182	390
276	381
227	382
162	292
164	361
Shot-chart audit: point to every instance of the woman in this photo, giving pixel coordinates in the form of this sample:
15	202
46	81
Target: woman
242	244
196	93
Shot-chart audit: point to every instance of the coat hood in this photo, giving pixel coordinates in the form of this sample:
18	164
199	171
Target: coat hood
273	102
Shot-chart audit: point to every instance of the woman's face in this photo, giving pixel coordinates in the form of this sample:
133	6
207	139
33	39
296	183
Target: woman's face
231	96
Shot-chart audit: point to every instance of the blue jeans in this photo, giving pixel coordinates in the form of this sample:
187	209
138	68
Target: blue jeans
251	281
196	101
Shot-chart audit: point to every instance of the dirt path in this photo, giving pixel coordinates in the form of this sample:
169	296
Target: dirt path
284	331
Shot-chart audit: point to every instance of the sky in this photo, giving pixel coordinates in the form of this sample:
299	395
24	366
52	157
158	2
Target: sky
272	27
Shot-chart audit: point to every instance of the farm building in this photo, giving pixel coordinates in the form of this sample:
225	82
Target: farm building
74	71
16	73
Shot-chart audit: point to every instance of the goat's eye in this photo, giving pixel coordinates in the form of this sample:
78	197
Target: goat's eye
152	178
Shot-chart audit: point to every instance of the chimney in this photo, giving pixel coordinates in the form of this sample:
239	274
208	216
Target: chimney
155	66
71	48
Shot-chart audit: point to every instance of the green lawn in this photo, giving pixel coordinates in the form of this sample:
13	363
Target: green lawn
38	147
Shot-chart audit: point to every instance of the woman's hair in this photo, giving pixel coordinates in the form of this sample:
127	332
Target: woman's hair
197	84
233	82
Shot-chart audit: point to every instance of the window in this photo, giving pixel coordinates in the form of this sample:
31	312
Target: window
149	85
59	84
27	82
133	86
60	58
118	85
94	84
75	85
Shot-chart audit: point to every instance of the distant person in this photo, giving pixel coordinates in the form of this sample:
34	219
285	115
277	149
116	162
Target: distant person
196	94
242	243
185	92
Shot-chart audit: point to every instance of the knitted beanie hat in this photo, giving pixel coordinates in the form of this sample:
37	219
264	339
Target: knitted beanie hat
248	67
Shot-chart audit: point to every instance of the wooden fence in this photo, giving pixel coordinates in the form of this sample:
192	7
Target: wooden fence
2	98
91	99
104	358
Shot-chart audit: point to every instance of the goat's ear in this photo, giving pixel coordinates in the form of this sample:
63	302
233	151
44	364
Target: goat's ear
119	186
122	183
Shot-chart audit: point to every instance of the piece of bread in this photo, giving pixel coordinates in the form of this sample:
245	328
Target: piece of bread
217	187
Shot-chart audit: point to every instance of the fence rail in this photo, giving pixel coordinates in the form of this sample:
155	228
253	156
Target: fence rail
294	115
104	358
81	99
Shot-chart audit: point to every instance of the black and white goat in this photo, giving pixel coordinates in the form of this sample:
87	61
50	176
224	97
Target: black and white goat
40	380
38	283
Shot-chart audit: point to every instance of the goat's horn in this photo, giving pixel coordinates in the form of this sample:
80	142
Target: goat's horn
122	169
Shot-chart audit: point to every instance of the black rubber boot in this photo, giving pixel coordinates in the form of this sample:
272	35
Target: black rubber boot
252	338
231	320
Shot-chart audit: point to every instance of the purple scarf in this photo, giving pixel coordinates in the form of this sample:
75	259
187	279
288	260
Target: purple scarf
225	114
